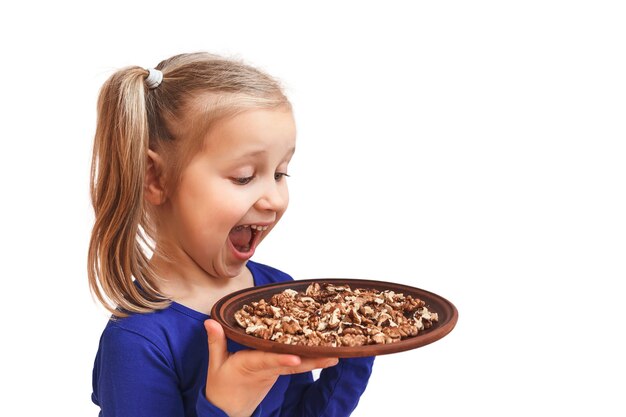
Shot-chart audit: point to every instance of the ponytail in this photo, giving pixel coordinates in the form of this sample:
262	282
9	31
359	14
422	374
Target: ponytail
116	249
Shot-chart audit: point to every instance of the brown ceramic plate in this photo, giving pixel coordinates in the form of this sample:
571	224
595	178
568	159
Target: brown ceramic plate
224	312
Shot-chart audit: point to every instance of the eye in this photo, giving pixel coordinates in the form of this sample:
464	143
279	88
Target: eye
242	180
280	175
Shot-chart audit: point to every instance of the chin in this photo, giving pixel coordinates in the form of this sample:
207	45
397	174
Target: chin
232	269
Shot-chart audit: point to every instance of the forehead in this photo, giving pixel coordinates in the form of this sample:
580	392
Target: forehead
252	133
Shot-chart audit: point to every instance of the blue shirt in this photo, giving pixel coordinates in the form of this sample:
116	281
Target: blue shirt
155	365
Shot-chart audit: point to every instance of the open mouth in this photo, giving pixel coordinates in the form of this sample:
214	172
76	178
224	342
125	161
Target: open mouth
244	238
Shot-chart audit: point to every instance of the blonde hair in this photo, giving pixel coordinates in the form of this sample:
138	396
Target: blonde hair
197	90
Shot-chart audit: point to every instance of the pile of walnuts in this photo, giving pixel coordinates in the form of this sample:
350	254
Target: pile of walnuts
331	315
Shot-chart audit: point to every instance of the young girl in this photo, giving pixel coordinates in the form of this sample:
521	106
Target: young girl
190	164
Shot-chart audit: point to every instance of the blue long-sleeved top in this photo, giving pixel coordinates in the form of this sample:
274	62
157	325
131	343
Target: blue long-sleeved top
155	365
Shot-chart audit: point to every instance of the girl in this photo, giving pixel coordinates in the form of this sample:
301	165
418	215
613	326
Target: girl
190	164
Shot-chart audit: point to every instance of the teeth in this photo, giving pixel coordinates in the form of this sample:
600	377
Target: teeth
259	228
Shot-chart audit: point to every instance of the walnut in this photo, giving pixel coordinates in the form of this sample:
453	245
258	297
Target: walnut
313	289
336	315
353	330
279	300
263	309
379	338
243	318
407	330
290	325
353	340
412	304
354	315
335	319
393	332
260	330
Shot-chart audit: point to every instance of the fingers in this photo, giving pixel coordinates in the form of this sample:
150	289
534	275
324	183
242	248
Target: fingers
282	360
253	362
308	364
280	364
218	352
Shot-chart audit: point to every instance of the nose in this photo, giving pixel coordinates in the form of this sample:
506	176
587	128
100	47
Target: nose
274	197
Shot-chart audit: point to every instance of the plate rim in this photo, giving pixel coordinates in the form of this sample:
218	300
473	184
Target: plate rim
427	337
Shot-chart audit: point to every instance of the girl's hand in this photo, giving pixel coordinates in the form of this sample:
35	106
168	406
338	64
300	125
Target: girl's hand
238	382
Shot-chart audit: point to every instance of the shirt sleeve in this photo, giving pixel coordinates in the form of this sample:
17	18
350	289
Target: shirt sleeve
206	408
336	393
134	378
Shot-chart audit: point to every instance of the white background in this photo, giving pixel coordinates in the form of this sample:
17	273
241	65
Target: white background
471	148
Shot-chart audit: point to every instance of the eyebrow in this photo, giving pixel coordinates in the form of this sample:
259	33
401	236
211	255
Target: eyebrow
258	152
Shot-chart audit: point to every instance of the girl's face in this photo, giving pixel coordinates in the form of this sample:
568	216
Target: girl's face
232	193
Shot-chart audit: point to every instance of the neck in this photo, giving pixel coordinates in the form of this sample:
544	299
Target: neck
185	282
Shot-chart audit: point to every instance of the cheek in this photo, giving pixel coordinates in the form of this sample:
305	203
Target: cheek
285	197
201	218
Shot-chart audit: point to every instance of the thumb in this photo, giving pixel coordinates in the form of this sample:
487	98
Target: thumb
217	343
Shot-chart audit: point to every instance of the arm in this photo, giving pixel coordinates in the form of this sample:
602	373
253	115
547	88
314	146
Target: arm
133	377
336	393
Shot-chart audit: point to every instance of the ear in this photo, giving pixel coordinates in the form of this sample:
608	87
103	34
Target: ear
154	191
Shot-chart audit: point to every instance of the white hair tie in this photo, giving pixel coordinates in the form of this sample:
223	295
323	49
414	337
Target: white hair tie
154	78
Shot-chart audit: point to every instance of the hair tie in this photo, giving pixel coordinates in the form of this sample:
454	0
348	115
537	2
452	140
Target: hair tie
154	78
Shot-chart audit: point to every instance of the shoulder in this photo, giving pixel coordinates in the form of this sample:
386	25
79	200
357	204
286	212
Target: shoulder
148	329
126	346
142	322
158	337
264	274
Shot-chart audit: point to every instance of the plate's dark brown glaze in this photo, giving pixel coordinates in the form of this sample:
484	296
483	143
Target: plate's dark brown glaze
224	312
